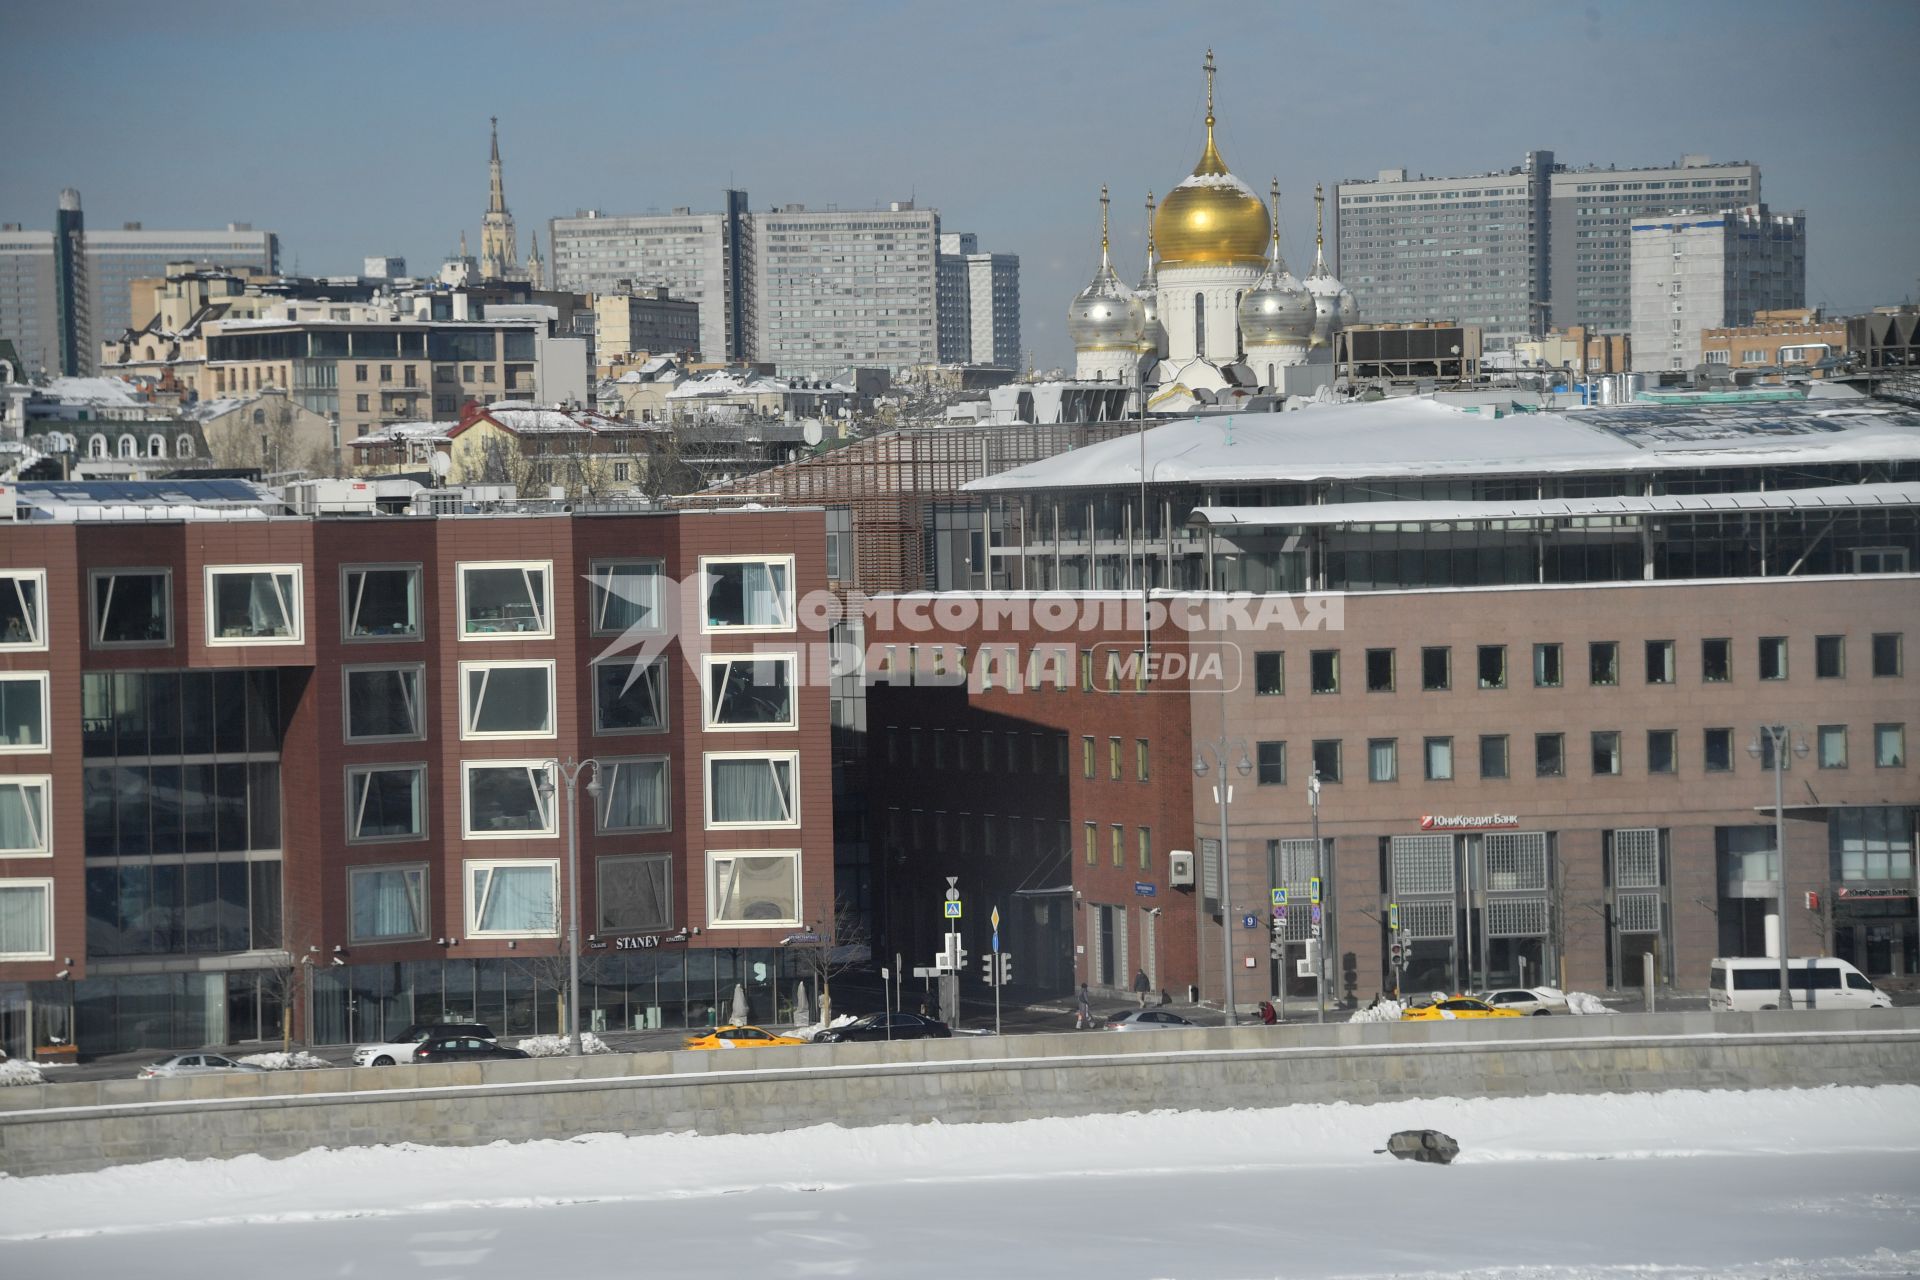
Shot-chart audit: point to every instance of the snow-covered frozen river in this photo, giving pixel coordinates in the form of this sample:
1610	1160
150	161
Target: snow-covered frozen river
1793	1183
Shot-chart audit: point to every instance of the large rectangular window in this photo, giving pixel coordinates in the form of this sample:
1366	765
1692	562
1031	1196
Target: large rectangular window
387	904
1773	657
1383	759
519	899
1546	666
1436	668
1890	746
625	596
380	602
23	609
1269	674
1549	755
1493	755
753	888
507	799
1271	764
1493	666
747	593
1716	660
1663	751
23	711
633	893
26	919
1606	752
1829	657
753	692
747	790
131	607
1324	667
383	703
506	699
1439	753
253	604
1326	759
629	696
1888	660
1717	751
506	600
386	802
633	795
1833	746
1603	662
1659	662
1380	671
23	817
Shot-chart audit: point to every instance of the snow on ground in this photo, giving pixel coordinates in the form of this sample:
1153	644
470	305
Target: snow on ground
298	1060
813	1029
555	1046
14	1071
1581	1002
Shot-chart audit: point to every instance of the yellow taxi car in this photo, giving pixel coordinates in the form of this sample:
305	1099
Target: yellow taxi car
1450	1007
739	1038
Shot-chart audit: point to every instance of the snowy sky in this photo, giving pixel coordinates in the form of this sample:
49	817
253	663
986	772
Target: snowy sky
360	127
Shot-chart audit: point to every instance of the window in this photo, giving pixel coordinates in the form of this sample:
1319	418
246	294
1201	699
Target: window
1833	746
1439	759
1493	666
130	607
1546	666
1117	844
1890	746
360	375
23	594
23	711
1606	752
1326	759
360	403
1549	755
1092	842
1379	671
1773	657
1493	755
1603	662
1663	751
750	593
1887	660
1325	670
750	889
388	802
629	696
1716	661
1383	759
1717	756
745	790
1659	662
1269	674
633	894
23	817
26	919
750	692
383	703
505	600
387	904
513	899
506	699
1270	763
507	799
1829	657
1436	669
1113	759
380	602
253	604
625	596
634	795
1141	771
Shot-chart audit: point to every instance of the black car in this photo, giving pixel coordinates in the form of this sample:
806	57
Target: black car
886	1026
462	1049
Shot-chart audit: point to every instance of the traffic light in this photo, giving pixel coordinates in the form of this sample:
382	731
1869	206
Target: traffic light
1277	948
1396	954
1006	968
988	966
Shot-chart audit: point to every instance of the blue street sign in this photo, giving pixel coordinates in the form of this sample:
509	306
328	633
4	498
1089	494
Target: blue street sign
1251	922
996	939
1279	897
952	910
1145	890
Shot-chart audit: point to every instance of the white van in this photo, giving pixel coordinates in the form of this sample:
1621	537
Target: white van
1745	983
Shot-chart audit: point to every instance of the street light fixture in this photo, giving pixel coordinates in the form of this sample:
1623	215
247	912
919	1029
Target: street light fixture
569	771
1220	749
1319	910
1775	738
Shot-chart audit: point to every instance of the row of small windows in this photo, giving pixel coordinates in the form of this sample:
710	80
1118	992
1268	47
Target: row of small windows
128	446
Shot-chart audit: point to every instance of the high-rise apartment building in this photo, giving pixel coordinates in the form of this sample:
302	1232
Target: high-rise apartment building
979	303
1711	271
693	254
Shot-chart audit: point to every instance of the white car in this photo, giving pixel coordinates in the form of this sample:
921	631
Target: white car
1529	1000
400	1048
193	1064
1147	1020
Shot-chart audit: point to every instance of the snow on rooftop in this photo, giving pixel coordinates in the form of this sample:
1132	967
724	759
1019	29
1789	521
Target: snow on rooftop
95	391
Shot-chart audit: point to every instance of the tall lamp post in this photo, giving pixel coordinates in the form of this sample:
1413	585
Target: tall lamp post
1319	910
1221	749
1778	739
570	771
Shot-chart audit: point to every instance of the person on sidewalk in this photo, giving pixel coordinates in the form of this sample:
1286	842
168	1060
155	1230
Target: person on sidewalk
1083	1018
1141	987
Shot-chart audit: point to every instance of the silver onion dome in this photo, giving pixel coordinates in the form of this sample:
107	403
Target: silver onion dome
1107	316
1276	312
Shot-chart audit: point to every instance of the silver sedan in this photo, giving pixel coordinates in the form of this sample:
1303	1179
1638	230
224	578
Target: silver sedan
1529	1000
1147	1020
193	1064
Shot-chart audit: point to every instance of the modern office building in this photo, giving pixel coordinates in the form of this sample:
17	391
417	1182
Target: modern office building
703	258
256	762
979	300
1711	271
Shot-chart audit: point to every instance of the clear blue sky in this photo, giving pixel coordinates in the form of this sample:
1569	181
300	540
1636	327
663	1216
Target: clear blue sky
356	128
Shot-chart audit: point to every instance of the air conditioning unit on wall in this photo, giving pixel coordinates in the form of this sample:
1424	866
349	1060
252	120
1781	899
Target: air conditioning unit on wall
1180	868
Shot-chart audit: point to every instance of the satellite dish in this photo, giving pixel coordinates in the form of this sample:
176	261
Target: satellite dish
811	432
440	464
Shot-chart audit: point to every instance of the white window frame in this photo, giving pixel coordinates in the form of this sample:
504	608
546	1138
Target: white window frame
606	791
295	604
473	909
655	671
536	766
45	745
354	798
424	903
9	581
597	592
94	619
708	627
44	783
463	567
721	661
348	607
599	893
469	734
420	702
46	885
706	786
713	889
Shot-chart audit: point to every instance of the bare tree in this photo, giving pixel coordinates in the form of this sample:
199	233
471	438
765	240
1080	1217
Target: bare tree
270	438
841	945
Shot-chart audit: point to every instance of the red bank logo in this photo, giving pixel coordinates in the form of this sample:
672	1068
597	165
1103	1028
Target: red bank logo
1466	821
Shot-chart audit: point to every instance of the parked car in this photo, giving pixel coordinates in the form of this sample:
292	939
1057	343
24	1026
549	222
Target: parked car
193	1064
401	1048
1147	1020
1532	1001
739	1038
1454	1007
1746	983
886	1026
462	1049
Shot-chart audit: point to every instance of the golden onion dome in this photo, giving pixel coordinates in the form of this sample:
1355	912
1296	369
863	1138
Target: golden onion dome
1212	218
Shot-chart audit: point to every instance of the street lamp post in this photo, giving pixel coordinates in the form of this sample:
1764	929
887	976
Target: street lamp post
569	771
1220	749
1319	909
1779	737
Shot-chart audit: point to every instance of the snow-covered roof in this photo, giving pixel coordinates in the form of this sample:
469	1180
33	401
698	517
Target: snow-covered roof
108	392
728	382
1414	438
397	432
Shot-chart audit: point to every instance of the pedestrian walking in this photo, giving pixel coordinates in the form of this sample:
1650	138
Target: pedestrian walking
1084	1017
1141	987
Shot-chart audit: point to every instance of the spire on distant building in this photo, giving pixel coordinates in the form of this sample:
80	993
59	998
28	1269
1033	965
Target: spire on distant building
535	273
499	247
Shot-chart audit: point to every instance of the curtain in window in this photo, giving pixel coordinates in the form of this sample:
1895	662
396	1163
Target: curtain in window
748	888
23	920
758	790
1381	762
22	816
267	604
387	903
625	595
514	899
634	795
